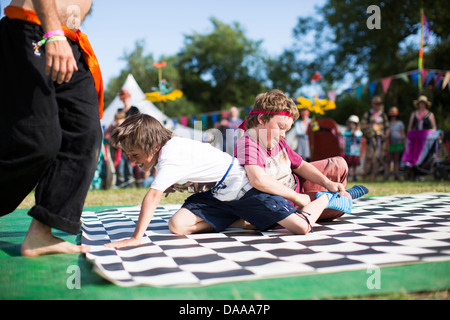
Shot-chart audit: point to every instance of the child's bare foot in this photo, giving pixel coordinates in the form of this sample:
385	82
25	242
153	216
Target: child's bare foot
40	241
241	223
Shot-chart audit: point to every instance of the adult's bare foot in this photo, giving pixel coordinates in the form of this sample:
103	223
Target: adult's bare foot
40	241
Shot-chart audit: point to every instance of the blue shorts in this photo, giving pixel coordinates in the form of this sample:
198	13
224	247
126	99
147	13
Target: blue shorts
260	209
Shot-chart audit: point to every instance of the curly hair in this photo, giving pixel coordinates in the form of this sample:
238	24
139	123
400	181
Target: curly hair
274	101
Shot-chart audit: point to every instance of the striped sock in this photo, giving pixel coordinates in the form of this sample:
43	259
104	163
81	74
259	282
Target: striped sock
357	191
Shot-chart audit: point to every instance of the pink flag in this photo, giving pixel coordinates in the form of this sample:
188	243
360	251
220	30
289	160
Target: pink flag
332	95
184	121
386	83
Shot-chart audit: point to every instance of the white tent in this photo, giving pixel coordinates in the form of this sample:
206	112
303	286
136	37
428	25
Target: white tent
145	106
137	99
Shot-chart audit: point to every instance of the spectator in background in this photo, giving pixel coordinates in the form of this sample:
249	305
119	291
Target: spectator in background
301	131
422	118
374	124
125	96
352	145
396	136
126	172
231	133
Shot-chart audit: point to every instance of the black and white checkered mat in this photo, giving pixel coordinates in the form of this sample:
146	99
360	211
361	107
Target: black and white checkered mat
380	231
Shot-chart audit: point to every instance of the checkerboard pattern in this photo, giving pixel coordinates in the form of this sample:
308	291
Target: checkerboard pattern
379	231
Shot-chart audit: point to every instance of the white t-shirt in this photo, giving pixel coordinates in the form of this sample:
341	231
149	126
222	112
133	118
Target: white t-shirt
191	165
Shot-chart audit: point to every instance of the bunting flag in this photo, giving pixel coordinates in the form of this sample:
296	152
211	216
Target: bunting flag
332	95
372	87
430	76
204	118
446	80
358	91
184	121
415	78
214	118
386	82
404	77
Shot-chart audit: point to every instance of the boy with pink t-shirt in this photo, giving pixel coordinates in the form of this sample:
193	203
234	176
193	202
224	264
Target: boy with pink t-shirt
273	167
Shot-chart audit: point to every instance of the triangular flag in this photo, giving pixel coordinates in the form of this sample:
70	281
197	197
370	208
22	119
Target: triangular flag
386	82
204	118
404	77
372	87
184	121
332	95
415	77
446	80
359	90
438	79
214	117
430	76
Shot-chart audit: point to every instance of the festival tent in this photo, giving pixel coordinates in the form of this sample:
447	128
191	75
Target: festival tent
145	106
137	99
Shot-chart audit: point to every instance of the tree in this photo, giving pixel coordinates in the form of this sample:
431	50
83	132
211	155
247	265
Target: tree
344	44
221	68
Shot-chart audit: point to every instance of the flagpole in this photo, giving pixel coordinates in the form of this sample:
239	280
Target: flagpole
421	50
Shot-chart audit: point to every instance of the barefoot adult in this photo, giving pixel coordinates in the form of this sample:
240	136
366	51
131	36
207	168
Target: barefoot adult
50	135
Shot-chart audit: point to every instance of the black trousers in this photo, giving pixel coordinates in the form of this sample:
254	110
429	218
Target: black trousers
50	134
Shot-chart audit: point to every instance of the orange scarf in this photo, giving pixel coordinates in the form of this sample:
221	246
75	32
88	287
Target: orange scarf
18	13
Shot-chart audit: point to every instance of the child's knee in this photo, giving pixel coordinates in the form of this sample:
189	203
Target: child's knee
177	227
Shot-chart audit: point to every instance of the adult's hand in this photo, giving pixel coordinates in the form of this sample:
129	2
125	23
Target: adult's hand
60	62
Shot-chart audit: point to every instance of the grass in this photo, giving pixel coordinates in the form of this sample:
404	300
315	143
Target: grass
130	197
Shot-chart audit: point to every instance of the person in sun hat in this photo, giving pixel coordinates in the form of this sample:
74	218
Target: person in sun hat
422	118
396	136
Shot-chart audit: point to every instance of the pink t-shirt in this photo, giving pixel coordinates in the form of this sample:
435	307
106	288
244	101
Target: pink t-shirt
277	162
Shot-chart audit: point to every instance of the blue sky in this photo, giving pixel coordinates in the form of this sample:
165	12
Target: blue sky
115	25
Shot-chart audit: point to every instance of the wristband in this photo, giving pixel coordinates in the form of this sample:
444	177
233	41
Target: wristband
56	38
53	33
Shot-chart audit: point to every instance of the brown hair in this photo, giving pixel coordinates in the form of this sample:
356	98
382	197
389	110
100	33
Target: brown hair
140	131
273	101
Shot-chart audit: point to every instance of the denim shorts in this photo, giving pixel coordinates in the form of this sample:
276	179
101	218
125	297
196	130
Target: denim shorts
260	209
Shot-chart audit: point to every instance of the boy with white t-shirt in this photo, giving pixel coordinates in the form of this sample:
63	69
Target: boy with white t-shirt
224	195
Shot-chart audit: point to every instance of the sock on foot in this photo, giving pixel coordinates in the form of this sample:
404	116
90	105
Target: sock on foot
357	191
339	203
